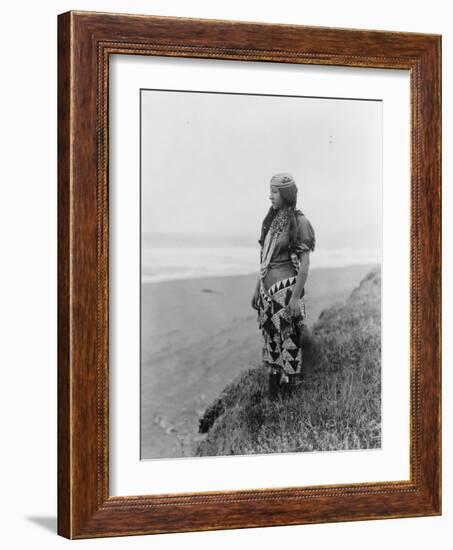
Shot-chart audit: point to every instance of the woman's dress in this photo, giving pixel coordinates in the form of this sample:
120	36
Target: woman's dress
280	264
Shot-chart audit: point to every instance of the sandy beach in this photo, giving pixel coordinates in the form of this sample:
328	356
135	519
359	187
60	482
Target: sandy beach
197	335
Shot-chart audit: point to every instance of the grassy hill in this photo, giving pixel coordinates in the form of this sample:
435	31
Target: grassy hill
338	405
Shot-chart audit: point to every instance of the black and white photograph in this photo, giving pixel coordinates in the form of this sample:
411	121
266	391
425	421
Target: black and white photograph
227	274
261	238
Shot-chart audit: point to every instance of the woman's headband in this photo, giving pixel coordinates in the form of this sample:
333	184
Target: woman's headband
282	181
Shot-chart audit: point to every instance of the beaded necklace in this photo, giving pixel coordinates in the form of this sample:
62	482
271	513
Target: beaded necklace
280	221
277	225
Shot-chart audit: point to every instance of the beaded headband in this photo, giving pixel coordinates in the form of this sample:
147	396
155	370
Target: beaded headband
283	180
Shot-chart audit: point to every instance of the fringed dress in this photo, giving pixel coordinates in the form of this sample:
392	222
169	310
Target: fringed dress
280	264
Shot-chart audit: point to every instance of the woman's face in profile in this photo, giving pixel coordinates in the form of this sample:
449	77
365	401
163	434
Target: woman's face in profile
275	198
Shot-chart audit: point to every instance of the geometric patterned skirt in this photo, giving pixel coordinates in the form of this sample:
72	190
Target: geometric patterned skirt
281	333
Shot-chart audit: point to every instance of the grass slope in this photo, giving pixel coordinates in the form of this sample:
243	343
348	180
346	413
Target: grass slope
338	405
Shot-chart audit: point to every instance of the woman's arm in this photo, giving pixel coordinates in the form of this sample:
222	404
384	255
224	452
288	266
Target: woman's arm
302	274
300	283
300	255
256	294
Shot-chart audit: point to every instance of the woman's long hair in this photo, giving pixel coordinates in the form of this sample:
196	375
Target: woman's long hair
289	198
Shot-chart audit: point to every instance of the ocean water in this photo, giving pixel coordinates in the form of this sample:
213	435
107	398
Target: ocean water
163	263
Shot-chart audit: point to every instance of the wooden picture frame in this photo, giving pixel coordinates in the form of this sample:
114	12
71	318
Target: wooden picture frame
85	42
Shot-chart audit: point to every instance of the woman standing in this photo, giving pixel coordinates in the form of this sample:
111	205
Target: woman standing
287	237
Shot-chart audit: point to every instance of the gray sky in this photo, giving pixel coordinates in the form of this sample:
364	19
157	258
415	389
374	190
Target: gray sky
207	160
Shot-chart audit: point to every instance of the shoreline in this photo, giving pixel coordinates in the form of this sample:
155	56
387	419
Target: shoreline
175	278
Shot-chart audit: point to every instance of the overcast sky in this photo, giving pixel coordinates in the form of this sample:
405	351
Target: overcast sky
207	160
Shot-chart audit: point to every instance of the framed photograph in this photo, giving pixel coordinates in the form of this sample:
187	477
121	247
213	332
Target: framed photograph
249	275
